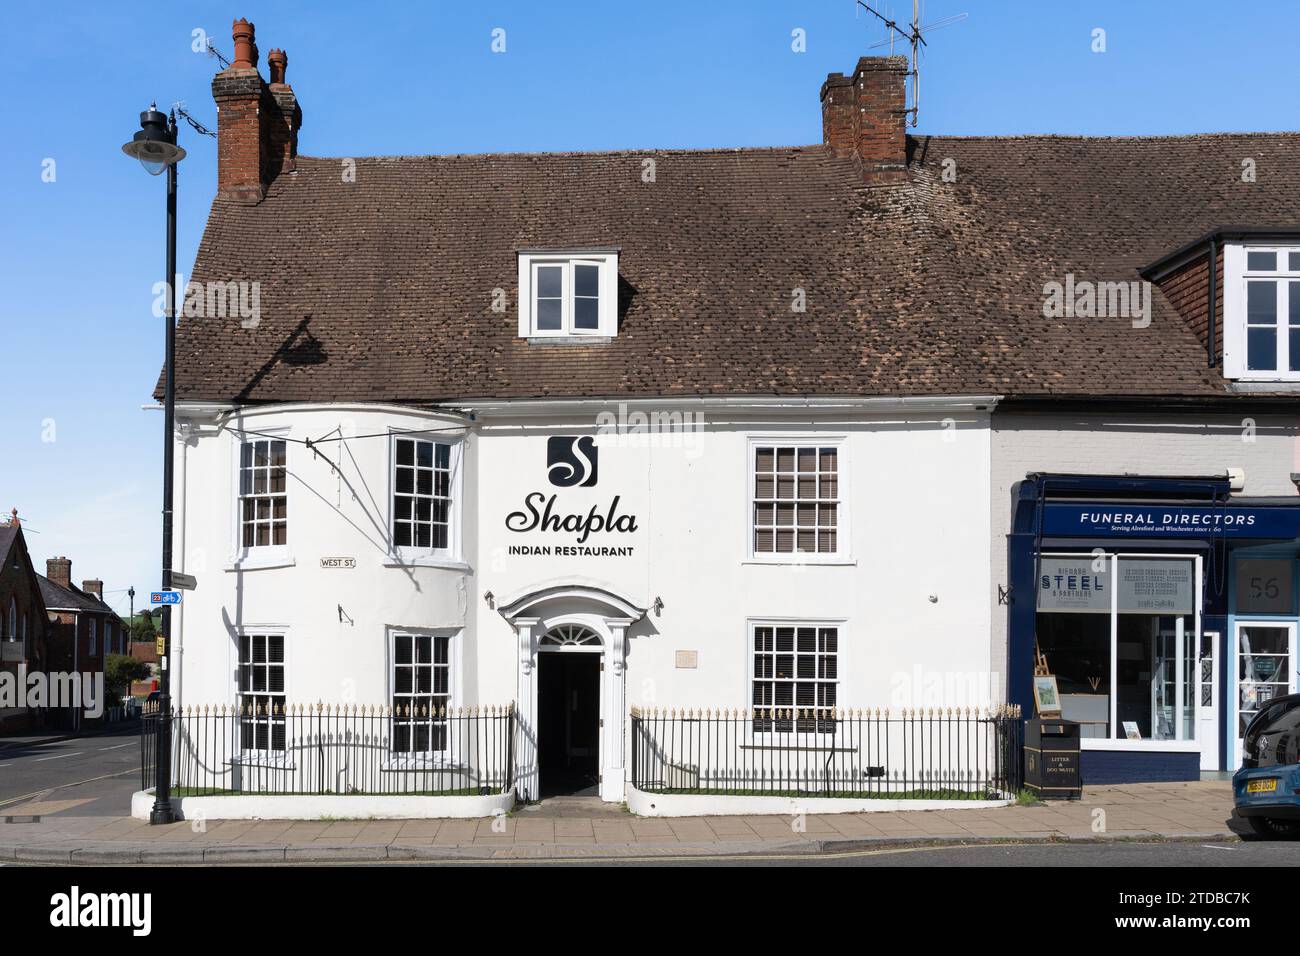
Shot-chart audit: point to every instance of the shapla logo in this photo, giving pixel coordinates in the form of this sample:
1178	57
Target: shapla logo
571	461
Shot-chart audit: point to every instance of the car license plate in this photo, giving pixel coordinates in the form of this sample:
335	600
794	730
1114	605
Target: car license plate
1261	786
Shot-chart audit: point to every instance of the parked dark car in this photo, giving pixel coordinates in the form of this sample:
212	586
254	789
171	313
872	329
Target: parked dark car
1266	790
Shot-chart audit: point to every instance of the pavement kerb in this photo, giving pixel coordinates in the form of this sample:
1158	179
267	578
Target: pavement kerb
397	852
856	844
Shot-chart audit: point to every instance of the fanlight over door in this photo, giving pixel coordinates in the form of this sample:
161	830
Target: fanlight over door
570	635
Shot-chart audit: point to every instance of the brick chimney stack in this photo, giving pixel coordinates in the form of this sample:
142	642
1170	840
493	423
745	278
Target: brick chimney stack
288	119
59	570
257	123
865	116
94	586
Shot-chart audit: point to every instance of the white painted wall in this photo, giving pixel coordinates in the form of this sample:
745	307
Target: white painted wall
332	657
905	478
913	594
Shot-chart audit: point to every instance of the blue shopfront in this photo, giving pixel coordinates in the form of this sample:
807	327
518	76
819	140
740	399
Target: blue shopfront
1166	609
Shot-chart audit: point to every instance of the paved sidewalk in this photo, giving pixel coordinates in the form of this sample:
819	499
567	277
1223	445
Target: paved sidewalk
1133	811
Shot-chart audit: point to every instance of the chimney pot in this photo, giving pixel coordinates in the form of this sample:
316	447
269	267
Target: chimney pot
276	62
242	32
94	586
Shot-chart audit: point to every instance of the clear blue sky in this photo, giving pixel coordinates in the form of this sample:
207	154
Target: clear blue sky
79	255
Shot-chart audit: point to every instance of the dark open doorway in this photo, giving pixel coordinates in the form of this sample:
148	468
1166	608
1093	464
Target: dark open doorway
568	723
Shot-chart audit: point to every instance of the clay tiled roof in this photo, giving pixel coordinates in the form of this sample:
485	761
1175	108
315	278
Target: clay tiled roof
382	289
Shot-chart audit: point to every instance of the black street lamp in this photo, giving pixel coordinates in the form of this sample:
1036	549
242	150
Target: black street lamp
155	146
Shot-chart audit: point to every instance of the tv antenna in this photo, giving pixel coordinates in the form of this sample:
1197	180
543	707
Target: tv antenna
179	108
214	52
914	36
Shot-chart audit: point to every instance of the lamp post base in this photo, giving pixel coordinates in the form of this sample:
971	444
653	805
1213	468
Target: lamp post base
161	813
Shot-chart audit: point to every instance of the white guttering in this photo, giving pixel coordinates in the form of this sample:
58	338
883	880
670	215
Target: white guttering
540	407
768	403
215	410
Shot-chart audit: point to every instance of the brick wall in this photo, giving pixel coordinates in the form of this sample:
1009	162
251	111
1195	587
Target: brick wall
1188	289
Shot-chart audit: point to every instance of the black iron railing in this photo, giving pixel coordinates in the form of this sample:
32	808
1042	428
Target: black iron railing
341	749
944	754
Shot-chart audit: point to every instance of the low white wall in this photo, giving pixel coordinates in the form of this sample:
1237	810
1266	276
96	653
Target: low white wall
326	806
699	805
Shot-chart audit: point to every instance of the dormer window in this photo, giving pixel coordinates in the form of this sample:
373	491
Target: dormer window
569	295
1261	305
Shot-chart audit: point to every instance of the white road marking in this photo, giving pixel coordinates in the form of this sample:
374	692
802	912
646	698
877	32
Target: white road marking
7	801
75	753
1211	846
118	747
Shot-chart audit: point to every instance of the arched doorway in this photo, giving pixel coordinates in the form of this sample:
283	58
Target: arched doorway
571	641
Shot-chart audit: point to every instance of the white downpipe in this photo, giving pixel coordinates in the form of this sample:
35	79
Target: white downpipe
176	651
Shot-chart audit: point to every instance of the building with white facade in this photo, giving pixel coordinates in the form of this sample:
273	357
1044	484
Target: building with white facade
752	429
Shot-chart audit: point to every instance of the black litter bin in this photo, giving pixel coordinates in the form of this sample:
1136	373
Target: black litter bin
1052	759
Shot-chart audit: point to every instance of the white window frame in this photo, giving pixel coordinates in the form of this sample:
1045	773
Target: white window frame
843	538
431	759
264	556
1192	646
1235	277
607	322
12	636
769	737
1234	681
281	759
436	557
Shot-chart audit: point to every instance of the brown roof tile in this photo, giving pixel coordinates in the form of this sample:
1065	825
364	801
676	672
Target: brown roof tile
381	289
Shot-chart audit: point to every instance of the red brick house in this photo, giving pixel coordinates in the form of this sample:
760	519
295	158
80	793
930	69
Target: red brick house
83	630
23	618
147	653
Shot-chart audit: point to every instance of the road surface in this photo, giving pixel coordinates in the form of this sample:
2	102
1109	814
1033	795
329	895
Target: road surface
99	773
